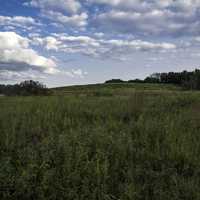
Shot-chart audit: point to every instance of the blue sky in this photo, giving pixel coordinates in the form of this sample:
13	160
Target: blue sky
67	42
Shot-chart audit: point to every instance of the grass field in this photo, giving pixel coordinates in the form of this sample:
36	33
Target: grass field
101	142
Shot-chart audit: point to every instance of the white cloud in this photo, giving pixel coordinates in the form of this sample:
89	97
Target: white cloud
69	6
65	12
166	17
123	4
16	55
138	17
100	34
18	21
19	62
144	5
76	20
79	73
99	47
153	22
75	73
7	75
49	42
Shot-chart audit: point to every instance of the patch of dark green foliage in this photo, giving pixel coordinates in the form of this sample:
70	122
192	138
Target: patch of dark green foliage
185	79
26	88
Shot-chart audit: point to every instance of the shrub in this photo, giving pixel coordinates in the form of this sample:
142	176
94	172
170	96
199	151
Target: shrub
25	88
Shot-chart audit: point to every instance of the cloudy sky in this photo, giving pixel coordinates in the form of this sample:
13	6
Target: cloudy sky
66	42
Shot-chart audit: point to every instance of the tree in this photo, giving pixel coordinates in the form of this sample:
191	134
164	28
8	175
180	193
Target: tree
115	81
25	88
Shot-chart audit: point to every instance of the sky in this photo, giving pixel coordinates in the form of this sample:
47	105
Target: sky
72	42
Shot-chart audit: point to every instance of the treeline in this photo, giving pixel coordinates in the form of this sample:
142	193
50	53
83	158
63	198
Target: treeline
25	88
185	79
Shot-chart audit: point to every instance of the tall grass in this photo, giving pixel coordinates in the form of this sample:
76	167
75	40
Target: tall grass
139	147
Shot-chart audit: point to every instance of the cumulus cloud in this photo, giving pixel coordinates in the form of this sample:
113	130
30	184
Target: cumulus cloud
141	17
150	17
17	56
99	47
75	73
138	17
100	34
144	5
76	20
69	6
6	75
66	12
10	23
18	61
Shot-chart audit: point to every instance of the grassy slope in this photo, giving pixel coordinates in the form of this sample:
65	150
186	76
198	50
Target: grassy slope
101	142
113	89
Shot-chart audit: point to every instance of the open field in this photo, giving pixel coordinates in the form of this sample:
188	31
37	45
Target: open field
101	142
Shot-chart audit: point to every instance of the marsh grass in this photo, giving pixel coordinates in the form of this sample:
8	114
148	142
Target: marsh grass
145	145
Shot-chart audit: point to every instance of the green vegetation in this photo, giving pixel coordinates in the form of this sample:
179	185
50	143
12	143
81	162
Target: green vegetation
26	88
101	142
186	80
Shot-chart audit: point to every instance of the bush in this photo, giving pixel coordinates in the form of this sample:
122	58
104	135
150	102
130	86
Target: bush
25	88
115	81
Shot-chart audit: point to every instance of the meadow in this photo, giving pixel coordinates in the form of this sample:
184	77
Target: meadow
101	142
